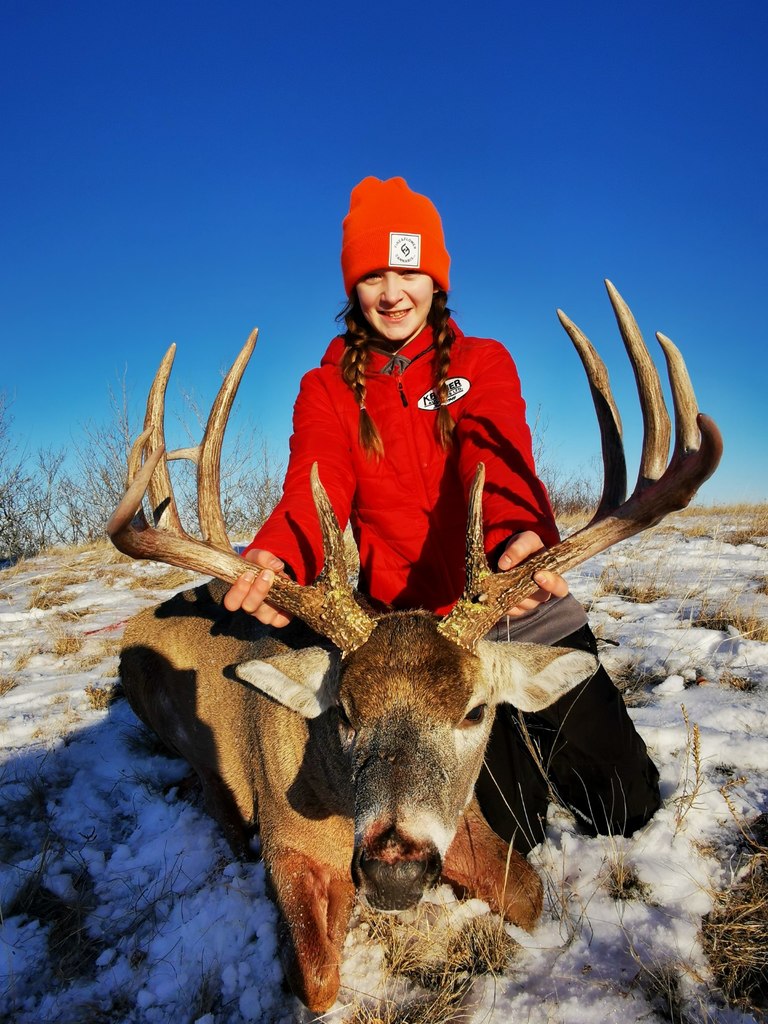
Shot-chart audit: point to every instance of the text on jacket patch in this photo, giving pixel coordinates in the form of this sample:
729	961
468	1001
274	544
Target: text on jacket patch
457	387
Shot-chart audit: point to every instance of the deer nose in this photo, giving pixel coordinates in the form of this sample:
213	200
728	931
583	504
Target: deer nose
396	884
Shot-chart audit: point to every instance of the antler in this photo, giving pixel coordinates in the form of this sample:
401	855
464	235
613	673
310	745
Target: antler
660	488
327	606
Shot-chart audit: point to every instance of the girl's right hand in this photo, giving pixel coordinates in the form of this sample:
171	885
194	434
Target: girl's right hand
249	592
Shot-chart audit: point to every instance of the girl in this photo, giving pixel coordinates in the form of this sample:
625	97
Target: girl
400	411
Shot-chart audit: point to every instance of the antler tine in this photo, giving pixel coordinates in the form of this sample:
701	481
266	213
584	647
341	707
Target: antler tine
130	510
656	425
342	617
608	418
660	488
209	511
160	492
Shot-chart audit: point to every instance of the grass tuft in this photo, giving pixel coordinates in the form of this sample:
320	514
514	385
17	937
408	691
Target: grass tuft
735	937
737	682
435	956
67	643
102	697
46	598
725	617
634	681
7	683
623	882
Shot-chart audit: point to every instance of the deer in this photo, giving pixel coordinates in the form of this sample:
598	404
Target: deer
351	741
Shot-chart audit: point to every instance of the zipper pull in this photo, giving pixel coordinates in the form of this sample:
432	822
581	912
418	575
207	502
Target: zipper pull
399	383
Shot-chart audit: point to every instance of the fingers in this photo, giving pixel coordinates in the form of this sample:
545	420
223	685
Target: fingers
520	547
550	584
248	593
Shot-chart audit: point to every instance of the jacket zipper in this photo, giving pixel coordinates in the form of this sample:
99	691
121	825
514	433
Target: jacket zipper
399	384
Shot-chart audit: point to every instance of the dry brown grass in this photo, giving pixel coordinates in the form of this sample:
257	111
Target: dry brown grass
693	775
642	581
621	879
74	614
7	683
91	554
101	697
735	937
733	524
436	957
171	579
45	598
71	951
67	643
634	681
737	682
726	615
89	659
23	658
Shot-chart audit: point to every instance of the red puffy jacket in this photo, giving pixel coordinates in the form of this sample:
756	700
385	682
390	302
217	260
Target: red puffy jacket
409	509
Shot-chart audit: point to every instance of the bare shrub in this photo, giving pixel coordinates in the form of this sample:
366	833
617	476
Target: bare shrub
573	494
63	497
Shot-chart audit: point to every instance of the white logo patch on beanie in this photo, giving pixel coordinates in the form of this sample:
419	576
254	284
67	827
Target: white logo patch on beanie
404	250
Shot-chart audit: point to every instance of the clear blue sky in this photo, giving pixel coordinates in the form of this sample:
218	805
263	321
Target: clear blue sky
179	172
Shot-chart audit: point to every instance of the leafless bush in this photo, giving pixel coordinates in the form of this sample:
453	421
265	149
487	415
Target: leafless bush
573	493
53	498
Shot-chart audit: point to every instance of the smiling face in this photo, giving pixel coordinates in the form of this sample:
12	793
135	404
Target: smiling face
396	303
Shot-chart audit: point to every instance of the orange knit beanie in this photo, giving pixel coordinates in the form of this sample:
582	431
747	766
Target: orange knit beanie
388	225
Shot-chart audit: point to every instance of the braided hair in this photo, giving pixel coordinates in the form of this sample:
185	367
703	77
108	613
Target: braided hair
357	338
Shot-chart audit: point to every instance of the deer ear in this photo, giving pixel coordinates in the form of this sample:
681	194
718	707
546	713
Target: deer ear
305	681
531	676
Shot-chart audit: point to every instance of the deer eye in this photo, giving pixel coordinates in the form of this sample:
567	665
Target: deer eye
475	716
344	723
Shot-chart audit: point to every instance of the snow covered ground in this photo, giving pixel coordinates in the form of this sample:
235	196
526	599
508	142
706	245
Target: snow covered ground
121	901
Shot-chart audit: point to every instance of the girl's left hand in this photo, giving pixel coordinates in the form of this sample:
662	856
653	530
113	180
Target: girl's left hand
520	547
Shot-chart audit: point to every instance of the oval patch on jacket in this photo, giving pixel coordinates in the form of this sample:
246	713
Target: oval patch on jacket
457	388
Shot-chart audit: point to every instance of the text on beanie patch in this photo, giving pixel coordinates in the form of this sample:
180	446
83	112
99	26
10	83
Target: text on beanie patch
404	250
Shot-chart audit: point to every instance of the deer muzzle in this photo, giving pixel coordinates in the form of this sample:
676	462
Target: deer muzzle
392	871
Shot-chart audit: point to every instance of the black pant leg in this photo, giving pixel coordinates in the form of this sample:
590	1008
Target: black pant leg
594	758
511	791
598	762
